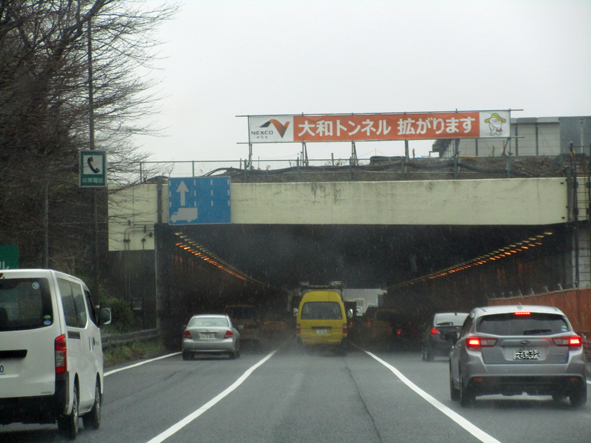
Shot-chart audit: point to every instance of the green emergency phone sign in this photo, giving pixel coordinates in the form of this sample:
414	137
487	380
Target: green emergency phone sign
8	257
93	169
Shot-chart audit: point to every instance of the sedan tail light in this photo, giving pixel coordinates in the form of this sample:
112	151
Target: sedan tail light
434	331
475	343
228	334
186	334
572	341
61	359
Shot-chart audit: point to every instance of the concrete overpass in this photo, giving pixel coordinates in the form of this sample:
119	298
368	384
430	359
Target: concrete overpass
433	244
393	235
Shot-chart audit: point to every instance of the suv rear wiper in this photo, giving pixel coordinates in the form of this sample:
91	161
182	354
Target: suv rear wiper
536	331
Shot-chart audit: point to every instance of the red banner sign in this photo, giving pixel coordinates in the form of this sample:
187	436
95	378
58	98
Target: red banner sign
369	127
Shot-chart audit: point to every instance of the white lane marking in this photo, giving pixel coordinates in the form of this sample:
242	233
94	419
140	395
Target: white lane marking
189	418
476	432
143	362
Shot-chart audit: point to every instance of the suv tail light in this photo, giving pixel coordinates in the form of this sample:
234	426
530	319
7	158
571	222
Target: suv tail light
298	329
228	334
572	341
475	343
61	358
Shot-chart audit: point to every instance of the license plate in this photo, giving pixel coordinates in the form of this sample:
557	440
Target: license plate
207	335
322	331
526	354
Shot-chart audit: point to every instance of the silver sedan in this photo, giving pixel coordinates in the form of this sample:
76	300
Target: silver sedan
212	334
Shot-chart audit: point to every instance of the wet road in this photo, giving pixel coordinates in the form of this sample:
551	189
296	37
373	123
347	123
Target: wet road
290	395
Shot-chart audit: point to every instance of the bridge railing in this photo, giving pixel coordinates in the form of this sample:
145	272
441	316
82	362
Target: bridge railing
362	169
109	340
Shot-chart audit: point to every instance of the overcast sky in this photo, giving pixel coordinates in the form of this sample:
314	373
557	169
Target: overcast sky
223	58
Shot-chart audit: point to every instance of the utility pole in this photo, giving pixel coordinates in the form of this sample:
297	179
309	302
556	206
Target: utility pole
95	272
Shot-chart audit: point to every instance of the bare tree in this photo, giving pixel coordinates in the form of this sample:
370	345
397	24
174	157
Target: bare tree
44	115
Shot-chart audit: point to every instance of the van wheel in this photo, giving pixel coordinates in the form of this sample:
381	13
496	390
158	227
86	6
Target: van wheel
92	420
68	424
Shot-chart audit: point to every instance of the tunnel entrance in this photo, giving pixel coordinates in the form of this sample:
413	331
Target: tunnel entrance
424	268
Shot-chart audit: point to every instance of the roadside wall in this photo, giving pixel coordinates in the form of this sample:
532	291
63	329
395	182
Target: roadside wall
575	303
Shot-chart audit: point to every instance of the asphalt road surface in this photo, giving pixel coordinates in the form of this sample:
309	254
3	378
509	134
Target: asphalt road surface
287	394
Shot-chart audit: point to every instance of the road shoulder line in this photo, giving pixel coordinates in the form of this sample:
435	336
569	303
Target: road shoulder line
468	426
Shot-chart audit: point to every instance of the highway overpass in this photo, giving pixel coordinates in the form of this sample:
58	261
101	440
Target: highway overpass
446	233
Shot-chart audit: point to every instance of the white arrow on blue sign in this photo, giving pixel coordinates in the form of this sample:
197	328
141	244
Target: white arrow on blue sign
199	200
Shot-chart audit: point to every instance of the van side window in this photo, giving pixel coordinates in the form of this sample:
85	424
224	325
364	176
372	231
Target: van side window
80	304
91	311
70	304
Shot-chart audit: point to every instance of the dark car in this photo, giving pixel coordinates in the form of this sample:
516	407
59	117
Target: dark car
433	340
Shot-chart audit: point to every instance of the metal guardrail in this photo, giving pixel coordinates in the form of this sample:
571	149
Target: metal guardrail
108	340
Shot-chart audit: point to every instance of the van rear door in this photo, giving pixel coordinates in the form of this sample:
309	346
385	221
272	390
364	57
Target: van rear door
29	326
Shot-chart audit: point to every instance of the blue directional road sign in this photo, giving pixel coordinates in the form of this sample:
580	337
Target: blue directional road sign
199	200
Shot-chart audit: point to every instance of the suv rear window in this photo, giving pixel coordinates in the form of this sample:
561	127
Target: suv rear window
533	324
321	310
25	303
241	312
449	319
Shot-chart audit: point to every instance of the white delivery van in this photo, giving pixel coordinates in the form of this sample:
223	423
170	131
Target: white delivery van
51	358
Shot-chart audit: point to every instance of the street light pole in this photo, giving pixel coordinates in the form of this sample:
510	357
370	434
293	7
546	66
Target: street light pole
95	273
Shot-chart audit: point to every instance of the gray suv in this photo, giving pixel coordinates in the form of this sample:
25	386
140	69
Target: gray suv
512	350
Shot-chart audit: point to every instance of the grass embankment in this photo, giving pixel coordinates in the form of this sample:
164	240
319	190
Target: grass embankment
138	350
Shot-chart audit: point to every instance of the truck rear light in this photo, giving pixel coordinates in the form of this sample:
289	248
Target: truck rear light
228	334
434	331
61	359
298	329
345	328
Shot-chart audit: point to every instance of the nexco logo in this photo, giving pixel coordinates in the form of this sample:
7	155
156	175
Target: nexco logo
279	127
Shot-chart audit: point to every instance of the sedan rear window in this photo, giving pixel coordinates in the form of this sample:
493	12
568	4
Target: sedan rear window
532	324
201	322
25	303
321	310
